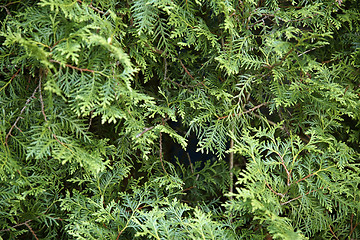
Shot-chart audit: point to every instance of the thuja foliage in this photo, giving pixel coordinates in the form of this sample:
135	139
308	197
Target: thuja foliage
96	96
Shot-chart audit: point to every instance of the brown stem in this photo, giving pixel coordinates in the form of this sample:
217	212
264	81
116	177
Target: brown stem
15	226
189	188
272	190
6	9
187	71
73	67
302	179
12	78
352	228
26	223
287	171
332	232
145	130
300	196
31	230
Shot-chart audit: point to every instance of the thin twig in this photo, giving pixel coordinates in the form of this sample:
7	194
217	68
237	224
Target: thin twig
43	113
145	130
352	228
95	9
73	67
287	171
161	155
5	7
21	112
161	52
165	69
300	196
302	179
269	121
187	71
26	223
90	121
248	111
12	78
309	50
31	230
189	188
272	190
190	163
333	233
15	226
231	166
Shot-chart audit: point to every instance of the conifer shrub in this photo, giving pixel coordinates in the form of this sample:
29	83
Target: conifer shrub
97	98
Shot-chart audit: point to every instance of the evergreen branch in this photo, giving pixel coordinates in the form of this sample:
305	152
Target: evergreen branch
281	60
43	113
269	121
73	67
248	111
182	65
21	112
13	76
128	221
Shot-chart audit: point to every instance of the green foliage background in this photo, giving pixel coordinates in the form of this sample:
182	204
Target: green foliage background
90	91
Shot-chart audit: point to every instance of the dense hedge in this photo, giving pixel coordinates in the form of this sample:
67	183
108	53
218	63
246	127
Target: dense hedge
103	104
